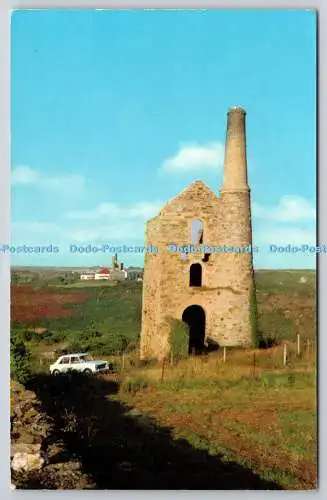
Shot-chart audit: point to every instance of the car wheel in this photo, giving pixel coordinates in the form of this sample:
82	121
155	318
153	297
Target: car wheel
87	371
55	372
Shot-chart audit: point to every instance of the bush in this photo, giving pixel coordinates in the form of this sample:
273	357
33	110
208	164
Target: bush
25	336
114	344
76	346
179	339
20	360
89	335
56	337
98	348
28	336
107	346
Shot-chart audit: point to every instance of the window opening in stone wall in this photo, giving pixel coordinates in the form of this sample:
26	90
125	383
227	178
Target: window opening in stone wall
197	232
196	275
206	257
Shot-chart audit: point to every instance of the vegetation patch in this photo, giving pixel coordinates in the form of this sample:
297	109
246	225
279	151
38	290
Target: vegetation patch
179	340
254	316
20	361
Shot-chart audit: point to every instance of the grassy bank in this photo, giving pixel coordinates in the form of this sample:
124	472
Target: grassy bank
264	419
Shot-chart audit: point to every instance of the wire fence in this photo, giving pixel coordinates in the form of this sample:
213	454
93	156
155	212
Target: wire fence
287	357
296	356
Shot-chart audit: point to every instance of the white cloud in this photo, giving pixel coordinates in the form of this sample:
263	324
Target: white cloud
71	183
36	233
270	241
113	211
30	231
39	233
291	208
191	157
116	233
290	222
25	175
286	236
35	227
108	222
120	232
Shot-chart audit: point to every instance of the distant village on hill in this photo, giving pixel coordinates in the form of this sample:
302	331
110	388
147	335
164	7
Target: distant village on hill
117	272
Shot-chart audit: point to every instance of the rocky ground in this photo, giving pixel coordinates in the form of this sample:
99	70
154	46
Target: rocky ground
29	427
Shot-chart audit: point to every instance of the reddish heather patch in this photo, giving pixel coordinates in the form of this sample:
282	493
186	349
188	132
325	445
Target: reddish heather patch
28	304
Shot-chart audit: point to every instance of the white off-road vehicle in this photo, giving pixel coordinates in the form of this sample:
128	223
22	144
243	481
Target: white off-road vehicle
79	362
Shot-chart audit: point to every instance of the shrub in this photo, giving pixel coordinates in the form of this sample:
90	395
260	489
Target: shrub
76	346
98	348
57	336
114	344
109	345
28	335
179	339
89	335
20	360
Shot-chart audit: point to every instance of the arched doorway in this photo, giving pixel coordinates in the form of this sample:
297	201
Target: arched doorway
194	317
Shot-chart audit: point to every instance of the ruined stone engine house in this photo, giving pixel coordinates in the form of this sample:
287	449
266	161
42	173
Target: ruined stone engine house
210	292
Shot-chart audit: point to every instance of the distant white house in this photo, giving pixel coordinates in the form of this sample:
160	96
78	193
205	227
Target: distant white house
102	274
105	274
87	276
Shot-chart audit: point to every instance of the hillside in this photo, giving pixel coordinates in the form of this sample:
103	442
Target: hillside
70	313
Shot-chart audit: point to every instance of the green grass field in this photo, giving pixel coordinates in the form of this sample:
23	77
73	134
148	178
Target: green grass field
263	418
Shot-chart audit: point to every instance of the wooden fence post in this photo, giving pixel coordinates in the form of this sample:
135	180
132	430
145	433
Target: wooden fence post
163	369
308	346
298	345
285	354
224	354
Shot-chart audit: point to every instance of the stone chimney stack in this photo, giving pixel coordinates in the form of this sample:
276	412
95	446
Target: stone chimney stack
235	167
235	269
114	261
235	205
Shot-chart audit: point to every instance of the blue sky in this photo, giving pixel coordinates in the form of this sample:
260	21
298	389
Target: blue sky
115	112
